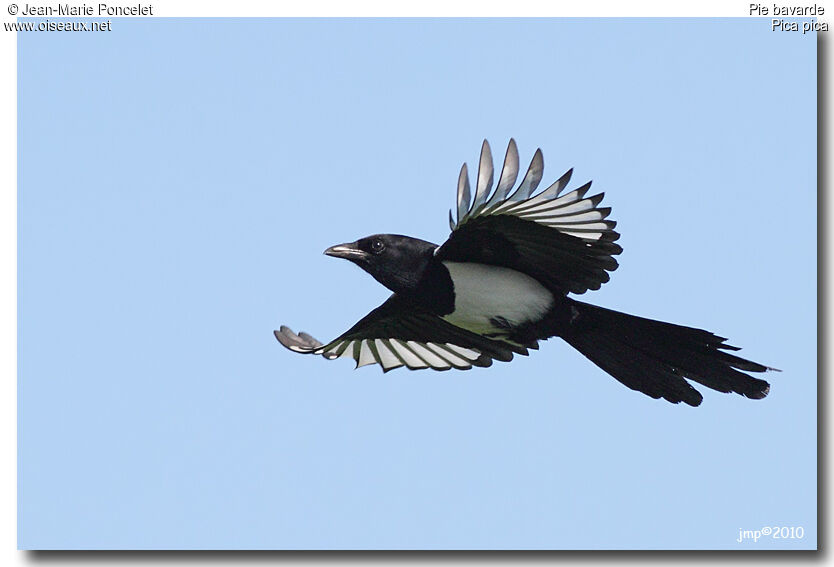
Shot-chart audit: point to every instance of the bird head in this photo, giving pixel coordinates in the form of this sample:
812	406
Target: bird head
397	262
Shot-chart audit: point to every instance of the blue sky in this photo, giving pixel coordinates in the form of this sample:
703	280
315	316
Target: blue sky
179	179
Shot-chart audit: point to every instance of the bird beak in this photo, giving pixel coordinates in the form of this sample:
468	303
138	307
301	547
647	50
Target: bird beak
349	251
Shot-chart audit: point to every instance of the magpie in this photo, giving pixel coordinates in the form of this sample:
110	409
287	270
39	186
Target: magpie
500	284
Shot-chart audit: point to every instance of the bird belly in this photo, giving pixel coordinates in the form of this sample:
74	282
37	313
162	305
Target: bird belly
492	300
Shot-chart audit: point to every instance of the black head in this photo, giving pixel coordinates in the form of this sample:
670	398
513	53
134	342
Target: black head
397	262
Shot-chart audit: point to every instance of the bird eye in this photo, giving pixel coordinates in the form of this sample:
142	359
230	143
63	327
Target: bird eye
377	245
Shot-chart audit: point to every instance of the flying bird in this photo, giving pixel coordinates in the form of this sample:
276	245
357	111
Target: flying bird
500	284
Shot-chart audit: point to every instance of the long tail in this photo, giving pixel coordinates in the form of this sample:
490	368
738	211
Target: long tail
655	357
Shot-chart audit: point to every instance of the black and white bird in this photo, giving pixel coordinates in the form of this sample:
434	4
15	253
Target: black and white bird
500	284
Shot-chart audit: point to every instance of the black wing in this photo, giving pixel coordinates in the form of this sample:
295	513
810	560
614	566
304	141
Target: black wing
563	241
398	333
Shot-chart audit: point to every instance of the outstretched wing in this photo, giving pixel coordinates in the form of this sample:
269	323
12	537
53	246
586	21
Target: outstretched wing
399	333
564	241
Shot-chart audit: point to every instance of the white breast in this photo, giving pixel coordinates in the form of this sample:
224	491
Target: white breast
484	292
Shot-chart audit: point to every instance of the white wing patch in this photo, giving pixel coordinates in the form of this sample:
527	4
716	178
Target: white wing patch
387	359
388	353
408	356
431	359
572	213
467	353
365	355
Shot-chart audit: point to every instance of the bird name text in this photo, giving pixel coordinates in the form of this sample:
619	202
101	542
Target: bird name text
790	11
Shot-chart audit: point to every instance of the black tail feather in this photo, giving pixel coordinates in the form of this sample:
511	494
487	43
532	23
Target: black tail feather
655	358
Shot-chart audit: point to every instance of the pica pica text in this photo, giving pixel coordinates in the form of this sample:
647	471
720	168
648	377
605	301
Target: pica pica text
500	284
